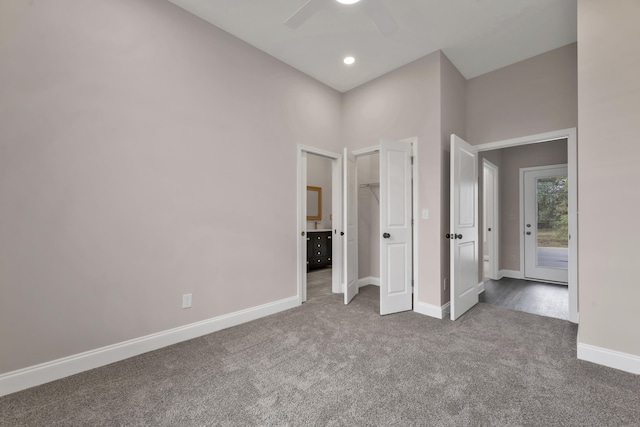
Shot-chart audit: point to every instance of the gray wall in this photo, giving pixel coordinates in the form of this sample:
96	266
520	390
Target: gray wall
426	99
530	97
145	154
403	104
608	174
453	120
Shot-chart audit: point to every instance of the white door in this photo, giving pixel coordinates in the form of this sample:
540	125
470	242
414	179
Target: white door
396	272
546	234
464	226
490	219
350	223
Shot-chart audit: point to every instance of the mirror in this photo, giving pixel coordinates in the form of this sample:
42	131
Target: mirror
314	203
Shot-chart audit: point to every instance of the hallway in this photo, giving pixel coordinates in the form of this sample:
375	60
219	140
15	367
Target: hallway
545	299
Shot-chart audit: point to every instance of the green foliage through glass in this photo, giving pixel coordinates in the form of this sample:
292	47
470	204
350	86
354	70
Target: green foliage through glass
553	216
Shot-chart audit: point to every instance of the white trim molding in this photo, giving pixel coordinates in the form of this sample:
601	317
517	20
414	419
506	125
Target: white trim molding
511	274
431	310
480	287
368	281
32	376
611	358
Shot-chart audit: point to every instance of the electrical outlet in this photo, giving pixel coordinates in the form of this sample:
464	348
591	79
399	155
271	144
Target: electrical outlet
186	300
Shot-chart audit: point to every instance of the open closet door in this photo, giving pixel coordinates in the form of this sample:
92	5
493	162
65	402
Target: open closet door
464	226
396	247
350	224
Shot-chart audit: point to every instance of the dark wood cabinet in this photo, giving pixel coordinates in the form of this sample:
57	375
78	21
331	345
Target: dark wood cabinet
318	249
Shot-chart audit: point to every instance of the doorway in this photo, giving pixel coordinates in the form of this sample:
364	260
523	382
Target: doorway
490	220
394	188
368	172
319	217
319	226
511	218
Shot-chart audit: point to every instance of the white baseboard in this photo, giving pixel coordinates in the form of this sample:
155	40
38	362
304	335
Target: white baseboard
431	310
611	358
511	274
369	281
21	379
480	288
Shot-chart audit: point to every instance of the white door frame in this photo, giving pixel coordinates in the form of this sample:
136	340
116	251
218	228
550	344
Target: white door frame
349	225
571	136
336	220
415	176
493	243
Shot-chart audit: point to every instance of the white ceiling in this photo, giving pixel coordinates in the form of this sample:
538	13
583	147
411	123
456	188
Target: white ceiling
478	36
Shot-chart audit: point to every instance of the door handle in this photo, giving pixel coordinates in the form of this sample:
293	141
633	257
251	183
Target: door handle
342	233
528	225
386	235
528	233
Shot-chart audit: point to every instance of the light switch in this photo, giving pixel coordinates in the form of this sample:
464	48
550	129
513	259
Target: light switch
425	213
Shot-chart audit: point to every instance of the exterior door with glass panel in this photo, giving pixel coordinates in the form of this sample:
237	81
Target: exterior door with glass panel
545	228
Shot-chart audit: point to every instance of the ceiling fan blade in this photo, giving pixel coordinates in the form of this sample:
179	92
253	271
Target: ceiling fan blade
380	16
304	13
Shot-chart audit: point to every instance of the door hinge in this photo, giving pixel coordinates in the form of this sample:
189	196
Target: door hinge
412	160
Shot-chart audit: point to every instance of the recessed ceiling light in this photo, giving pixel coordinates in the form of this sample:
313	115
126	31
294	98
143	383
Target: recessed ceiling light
349	60
347	1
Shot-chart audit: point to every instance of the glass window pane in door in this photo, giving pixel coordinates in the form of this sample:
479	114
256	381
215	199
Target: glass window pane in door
552	249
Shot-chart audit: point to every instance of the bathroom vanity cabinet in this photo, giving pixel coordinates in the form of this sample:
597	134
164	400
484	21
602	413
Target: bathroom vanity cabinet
318	249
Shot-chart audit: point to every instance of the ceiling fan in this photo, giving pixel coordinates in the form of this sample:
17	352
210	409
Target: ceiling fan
376	10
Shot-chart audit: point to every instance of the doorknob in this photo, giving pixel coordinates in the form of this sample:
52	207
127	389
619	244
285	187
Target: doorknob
342	233
386	235
528	225
528	233
489	228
